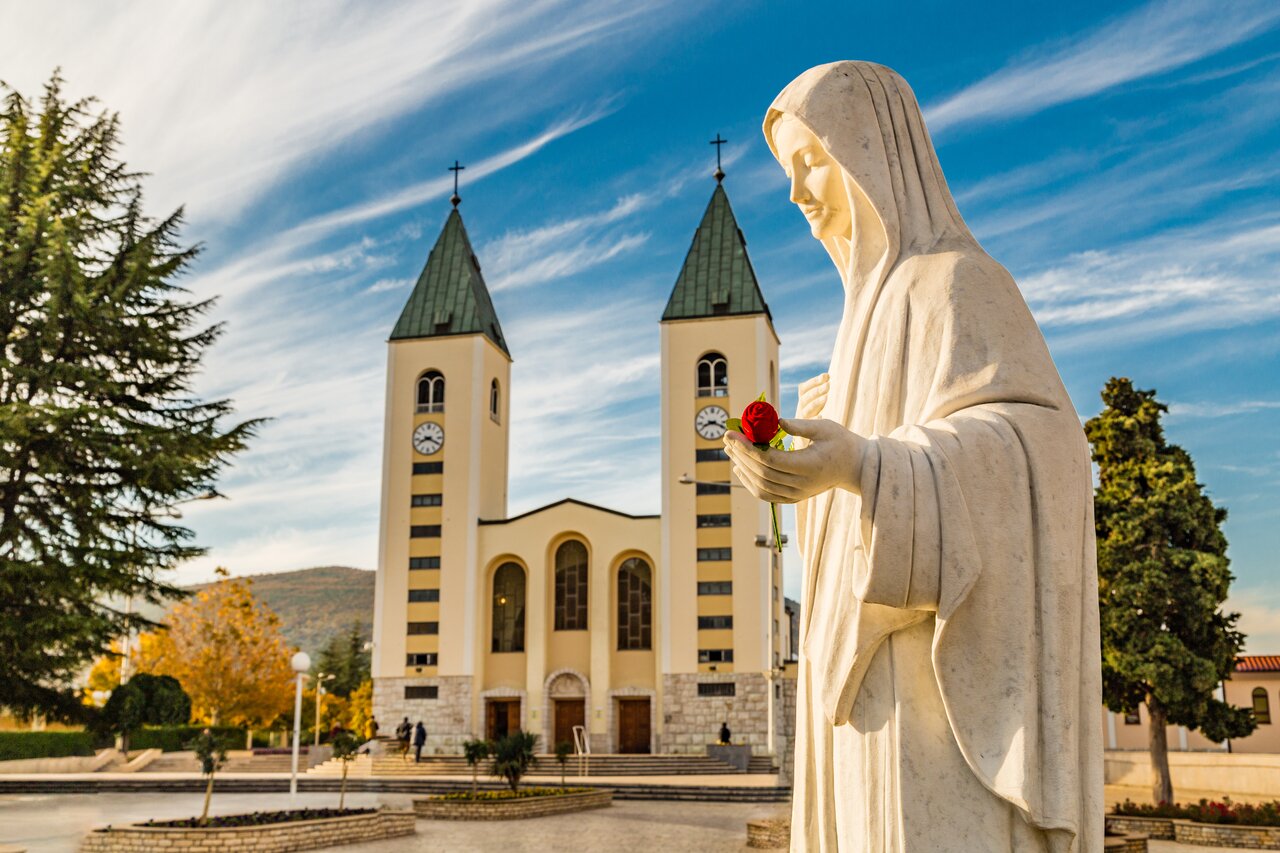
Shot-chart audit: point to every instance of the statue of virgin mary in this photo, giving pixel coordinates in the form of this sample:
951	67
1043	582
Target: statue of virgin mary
949	694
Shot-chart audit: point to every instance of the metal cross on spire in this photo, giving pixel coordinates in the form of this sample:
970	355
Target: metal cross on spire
717	142
455	168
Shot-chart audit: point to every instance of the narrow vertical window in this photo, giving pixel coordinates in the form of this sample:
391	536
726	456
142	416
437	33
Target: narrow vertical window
494	400
713	375
1261	706
571	586
431	392
635	605
508	608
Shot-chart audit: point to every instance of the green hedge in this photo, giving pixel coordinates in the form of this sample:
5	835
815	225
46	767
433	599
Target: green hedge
176	738
18	745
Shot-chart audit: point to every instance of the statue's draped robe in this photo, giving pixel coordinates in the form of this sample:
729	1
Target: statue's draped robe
949	688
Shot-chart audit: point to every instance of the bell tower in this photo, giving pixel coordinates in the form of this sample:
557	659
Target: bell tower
719	592
445	448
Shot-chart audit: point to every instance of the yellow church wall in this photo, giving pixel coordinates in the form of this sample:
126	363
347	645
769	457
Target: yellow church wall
473	484
591	655
750	346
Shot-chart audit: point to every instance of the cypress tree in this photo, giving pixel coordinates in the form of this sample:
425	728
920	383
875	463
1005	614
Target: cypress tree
1163	576
101	435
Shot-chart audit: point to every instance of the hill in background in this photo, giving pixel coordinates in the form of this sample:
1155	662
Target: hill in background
313	604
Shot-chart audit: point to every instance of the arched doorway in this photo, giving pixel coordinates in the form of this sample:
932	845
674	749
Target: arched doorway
568	694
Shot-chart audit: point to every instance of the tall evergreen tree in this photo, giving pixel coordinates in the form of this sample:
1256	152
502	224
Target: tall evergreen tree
344	656
1163	576
101	434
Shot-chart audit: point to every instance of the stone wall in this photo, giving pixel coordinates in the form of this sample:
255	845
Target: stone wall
1203	834
447	718
1154	827
273	838
1230	774
1125	844
787	731
769	834
512	809
690	721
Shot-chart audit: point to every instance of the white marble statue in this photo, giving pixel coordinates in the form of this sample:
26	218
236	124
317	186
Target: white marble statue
949	693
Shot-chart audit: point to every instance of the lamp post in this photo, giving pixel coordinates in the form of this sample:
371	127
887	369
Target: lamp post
321	678
301	662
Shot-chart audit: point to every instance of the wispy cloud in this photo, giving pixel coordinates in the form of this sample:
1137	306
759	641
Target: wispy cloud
1259	609
218	127
1221	410
1214	275
1153	39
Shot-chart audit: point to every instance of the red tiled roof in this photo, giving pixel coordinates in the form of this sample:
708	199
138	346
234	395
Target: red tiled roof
1258	663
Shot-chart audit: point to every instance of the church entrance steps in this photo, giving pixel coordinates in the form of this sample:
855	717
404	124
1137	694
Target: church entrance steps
382	766
764	791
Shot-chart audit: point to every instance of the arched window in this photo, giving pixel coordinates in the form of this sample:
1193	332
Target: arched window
493	400
713	375
508	608
431	392
635	605
1261	706
571	586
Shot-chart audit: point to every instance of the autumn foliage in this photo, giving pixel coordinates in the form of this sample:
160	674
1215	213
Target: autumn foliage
227	651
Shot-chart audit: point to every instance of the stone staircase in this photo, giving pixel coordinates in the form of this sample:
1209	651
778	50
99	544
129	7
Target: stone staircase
382	766
238	761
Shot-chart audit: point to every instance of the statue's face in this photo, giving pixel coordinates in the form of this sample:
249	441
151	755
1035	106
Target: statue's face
817	182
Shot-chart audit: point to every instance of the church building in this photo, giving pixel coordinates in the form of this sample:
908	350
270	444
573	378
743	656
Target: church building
641	632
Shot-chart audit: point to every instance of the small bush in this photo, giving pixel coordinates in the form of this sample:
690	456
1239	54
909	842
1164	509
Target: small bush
1207	811
512	795
176	738
19	745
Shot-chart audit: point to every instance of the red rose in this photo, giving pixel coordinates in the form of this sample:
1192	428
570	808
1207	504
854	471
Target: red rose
759	422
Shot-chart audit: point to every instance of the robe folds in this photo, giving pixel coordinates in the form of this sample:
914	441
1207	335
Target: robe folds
974	519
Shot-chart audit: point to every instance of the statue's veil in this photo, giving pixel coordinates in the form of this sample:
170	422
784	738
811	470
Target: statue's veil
867	118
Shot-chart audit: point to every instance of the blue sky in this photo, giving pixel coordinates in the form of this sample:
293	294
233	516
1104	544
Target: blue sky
1122	160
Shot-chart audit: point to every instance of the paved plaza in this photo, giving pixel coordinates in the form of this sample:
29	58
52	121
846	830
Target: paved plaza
55	823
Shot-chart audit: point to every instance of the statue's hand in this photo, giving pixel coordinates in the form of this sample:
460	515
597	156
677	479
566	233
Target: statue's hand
813	398
832	459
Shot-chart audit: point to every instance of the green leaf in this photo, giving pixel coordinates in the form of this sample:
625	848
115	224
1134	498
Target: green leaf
734	424
761	398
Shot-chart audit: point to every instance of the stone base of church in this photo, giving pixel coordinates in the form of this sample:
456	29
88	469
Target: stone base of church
690	721
447	717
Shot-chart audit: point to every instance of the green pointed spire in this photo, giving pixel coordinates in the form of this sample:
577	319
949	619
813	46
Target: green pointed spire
450	297
717	279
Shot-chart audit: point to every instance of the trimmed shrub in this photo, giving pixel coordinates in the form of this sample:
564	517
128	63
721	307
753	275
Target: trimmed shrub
176	738
1206	811
19	745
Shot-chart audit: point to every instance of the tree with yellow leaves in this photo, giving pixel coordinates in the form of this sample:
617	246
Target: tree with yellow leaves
226	650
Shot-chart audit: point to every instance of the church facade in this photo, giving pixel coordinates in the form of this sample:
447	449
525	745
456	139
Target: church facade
637	634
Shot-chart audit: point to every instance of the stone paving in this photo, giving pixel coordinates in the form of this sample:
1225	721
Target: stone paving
55	823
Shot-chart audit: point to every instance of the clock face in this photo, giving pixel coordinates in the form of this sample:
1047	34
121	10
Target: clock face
428	438
710	422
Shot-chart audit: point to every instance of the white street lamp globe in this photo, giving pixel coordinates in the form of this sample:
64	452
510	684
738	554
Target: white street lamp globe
301	662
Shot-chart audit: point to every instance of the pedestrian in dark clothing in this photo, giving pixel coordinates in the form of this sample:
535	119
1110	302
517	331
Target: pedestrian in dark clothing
419	741
404	732
724	732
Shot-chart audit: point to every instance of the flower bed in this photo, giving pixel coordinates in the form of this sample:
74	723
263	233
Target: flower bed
1211	824
298	831
1207	811
259	818
506	805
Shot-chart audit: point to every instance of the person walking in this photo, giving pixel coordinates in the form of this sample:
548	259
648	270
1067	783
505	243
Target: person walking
404	732
419	741
371	729
725	735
